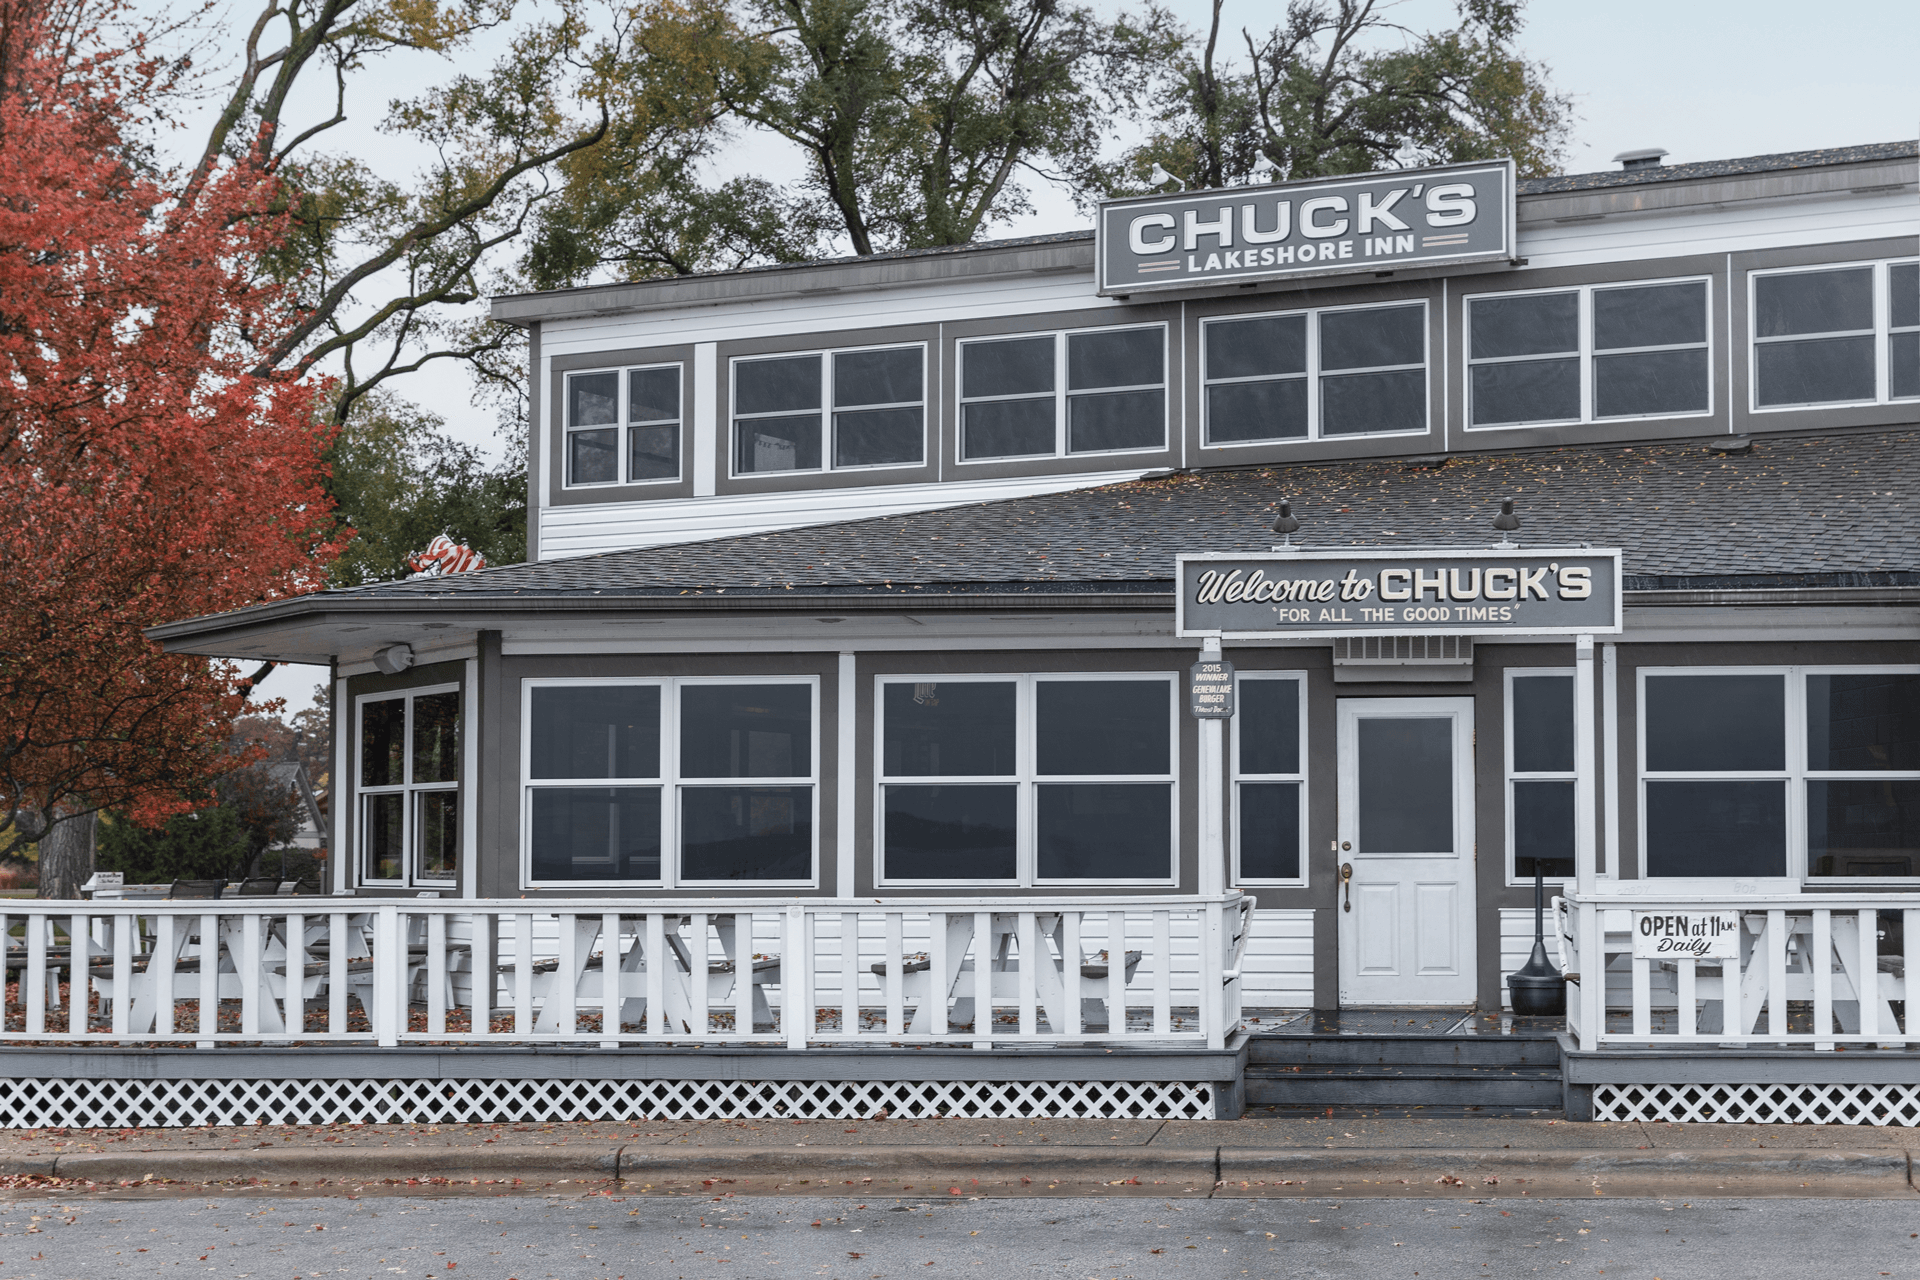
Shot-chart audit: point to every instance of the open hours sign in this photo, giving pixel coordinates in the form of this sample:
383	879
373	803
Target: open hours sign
1563	591
1686	935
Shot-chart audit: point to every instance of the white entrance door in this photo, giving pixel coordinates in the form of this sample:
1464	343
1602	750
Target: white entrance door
1405	856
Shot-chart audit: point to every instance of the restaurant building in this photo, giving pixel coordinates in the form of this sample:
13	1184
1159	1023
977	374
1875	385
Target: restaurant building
860	584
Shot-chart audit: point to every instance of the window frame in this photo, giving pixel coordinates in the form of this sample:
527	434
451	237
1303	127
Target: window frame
1585	356
1314	376
1026	779
1794	776
409	790
1882	333
827	409
1514	879
1062	397
1300	881
623	426
670	781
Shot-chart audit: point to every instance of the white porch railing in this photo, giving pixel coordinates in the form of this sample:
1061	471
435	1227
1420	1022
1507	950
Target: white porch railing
990	971
1814	970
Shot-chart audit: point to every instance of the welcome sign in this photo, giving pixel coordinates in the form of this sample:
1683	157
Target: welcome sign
1282	595
1272	231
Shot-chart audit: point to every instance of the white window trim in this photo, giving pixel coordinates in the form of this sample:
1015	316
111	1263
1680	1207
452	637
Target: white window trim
1514	879
1794	776
1314	375
1586	355
1882	332
408	789
1233	747
623	426
1026	780
826	411
1061	395
670	781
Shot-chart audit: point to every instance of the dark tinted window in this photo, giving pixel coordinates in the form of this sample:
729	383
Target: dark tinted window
596	731
593	399
1863	722
1529	325
777	444
1543	724
1542	828
1525	391
386	859
878	437
383	743
1104	831
776	386
1007	428
593	457
1124	358
1650	382
1372	338
1903	284
1018	366
1268	720
746	833
1270	830
1116	420
1903	365
1865	828
1813	302
1359	403
436	738
951	833
1255	348
1710	723
595	833
876	377
746	731
961	728
1661	315
1405	784
1716	828
1103	726
1238	411
653	453
653	395
1820	371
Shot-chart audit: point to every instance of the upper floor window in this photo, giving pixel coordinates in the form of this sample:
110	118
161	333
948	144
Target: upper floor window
718	774
1026	779
623	425
1015	404
1269	779
1781	771
1588	354
1836	335
1315	374
830	410
410	748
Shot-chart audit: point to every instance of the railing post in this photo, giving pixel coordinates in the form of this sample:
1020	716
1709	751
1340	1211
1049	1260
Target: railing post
1910	928
796	971
1868	968
1593	976
1820	963
611	980
247	963
1212	970
389	1010
79	934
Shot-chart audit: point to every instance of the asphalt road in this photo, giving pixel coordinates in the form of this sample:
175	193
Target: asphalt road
748	1239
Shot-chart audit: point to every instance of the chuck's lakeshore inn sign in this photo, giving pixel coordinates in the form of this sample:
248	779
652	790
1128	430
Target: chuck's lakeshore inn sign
1307	593
1373	222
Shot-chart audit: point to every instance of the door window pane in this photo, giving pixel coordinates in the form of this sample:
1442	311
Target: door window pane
1650	382
777	444
959	728
1543	724
1821	371
1093	727
1373	338
1116	420
1264	347
386	847
1007	429
438	843
746	731
1405	784
653	453
1529	325
593	400
1270	828
1715	723
1016	366
383	743
1269	723
1104	831
1662	315
1125	358
1357	404
1857	723
1543	828
596	833
746	833
1241	411
1813	302
776	386
1515	391
878	437
436	738
1868	827
1716	828
951	832
877	377
597	731
593	457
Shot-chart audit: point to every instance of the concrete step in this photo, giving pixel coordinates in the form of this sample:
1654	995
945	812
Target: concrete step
1412	1085
1508	1051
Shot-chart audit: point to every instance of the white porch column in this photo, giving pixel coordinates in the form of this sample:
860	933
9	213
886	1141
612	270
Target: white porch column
1211	776
847	794
1588	924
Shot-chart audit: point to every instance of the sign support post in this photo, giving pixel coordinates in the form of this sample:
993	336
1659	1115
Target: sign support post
1212	779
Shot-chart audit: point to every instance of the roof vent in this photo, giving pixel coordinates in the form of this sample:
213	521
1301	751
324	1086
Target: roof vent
1645	158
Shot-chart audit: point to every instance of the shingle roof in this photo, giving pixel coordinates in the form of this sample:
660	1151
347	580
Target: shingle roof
1838	509
1775	163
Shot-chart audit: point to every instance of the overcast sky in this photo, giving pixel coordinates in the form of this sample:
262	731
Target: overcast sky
1706	79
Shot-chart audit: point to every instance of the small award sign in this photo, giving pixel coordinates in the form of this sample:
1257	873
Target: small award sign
1210	690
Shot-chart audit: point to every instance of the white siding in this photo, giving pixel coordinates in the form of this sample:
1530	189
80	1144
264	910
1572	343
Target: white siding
1277	970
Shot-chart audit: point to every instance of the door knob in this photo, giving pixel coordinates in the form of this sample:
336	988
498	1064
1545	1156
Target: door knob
1346	882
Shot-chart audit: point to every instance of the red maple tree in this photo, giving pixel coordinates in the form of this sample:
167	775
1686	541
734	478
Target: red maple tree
149	470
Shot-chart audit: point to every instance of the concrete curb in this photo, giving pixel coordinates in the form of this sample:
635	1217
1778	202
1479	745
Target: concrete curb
1377	1172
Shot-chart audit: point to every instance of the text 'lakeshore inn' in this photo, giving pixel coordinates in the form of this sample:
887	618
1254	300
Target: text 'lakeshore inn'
1069	660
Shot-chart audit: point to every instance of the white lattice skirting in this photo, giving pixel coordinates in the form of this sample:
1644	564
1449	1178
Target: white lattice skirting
38	1103
1760	1103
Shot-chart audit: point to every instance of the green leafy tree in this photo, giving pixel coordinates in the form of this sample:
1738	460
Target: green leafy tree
1340	88
208	844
